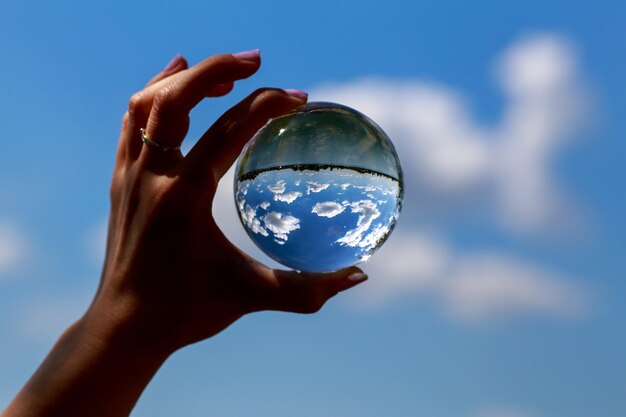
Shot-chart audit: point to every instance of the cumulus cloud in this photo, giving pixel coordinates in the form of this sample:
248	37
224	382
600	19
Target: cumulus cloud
249	217
288	198
368	212
281	224
14	247
447	152
279	192
225	213
277	188
328	209
314	187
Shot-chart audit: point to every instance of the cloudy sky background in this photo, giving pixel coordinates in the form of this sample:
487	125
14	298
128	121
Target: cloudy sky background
500	294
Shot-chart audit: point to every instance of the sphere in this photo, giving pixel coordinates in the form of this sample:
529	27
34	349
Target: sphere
319	189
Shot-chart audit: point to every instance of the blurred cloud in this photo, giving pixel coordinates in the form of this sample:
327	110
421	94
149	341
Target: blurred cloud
14	247
44	319
468	286
546	103
445	151
489	285
502	412
95	242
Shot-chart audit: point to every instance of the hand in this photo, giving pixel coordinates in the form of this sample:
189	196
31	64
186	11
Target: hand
170	276
169	269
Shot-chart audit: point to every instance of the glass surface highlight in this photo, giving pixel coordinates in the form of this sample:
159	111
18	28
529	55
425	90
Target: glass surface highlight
319	189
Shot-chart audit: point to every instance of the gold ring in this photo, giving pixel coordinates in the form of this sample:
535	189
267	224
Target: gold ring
155	145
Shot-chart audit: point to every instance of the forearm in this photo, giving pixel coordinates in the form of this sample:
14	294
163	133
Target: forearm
95	369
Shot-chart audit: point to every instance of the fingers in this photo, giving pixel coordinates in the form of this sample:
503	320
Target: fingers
168	121
162	108
221	144
306	293
222	89
177	64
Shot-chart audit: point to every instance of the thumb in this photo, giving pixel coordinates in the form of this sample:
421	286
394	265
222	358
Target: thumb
301	292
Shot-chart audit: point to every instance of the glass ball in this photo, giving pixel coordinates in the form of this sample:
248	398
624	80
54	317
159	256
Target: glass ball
319	189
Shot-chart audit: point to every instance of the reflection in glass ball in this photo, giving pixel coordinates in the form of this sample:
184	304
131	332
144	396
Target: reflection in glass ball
319	189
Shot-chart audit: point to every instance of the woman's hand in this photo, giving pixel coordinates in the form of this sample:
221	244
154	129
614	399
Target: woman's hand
170	276
169	270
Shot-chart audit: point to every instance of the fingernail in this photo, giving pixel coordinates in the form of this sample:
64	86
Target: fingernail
352	280
302	95
251	55
173	63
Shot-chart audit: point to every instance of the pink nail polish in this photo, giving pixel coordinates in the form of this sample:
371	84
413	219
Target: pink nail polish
302	95
357	277
352	280
251	55
173	63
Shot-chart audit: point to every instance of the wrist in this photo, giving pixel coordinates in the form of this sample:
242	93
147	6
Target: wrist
122	331
97	368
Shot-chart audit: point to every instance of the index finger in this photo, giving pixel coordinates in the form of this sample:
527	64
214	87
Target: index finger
169	116
177	64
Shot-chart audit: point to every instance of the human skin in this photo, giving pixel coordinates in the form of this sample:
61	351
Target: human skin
170	276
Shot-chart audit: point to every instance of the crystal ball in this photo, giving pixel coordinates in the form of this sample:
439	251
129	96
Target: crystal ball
319	189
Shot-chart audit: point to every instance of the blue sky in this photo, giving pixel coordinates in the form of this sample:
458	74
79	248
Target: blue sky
498	295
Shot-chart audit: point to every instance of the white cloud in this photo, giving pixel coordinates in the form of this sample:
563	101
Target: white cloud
248	214
537	65
328	209
277	188
280	224
368	212
289	197
370	240
446	151
314	187
14	247
225	214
